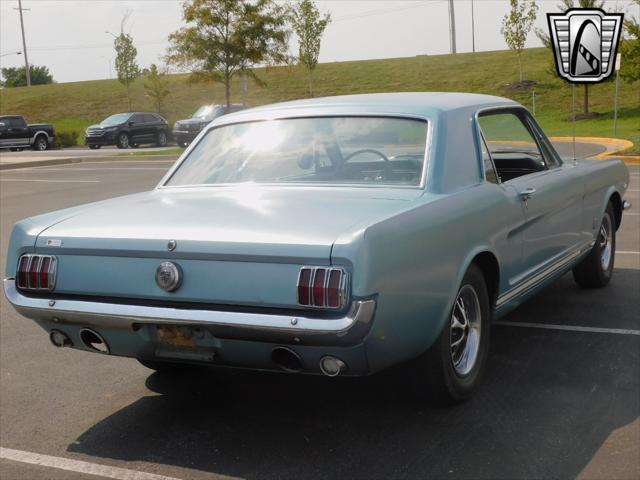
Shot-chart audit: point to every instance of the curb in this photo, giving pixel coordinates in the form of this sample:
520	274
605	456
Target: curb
615	145
72	160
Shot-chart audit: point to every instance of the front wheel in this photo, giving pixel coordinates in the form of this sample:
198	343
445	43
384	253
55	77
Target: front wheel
596	269
453	367
123	140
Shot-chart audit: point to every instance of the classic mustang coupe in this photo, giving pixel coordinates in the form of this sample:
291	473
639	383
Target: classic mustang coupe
338	236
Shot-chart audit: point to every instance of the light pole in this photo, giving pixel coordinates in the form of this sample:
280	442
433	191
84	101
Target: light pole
24	43
452	27
473	30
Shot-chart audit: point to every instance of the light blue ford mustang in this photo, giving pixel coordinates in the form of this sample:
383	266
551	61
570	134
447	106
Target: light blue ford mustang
340	236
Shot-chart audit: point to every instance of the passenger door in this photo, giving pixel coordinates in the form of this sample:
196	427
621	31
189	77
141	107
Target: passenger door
551	192
137	128
16	132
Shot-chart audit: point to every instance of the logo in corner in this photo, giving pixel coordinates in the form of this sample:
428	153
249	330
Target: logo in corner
585	43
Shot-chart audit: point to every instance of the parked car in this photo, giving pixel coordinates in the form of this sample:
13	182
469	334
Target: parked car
185	131
339	236
16	135
129	130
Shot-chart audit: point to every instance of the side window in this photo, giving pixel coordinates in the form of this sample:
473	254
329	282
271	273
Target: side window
136	118
512	146
490	174
19	122
151	118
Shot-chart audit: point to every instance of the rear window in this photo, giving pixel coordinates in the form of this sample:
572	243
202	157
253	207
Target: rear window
327	150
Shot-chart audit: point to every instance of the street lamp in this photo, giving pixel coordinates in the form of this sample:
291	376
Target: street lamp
12	53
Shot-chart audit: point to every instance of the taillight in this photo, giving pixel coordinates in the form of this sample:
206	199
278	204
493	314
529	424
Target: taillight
323	287
36	272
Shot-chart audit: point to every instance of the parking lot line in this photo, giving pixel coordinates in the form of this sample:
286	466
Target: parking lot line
46	181
568	328
626	252
78	466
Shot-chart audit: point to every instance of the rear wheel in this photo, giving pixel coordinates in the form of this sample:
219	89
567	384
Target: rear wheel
41	143
123	140
162	138
453	367
596	269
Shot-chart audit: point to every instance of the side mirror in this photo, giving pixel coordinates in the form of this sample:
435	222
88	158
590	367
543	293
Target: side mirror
131	124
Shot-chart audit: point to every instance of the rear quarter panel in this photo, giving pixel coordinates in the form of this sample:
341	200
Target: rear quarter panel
415	261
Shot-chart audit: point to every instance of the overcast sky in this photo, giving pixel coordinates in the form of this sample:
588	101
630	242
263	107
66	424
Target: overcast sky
69	36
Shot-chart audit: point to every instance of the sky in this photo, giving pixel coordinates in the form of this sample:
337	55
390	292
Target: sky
70	36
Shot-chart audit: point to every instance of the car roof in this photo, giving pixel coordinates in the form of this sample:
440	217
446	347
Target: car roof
422	104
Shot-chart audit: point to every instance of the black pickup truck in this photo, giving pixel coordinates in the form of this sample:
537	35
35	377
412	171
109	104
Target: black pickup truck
17	135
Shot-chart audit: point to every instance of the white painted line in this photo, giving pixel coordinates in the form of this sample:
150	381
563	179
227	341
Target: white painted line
91	169
635	214
46	181
626	252
569	328
78	466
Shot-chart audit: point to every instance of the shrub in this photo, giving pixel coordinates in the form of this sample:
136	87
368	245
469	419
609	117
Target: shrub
66	139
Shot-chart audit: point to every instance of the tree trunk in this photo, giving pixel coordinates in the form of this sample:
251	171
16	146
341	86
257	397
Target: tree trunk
227	89
311	83
520	66
129	96
586	99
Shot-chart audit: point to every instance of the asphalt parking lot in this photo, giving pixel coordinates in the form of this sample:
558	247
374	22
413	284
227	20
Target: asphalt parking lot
561	398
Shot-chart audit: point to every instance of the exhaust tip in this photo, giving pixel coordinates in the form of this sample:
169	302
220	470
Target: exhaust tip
60	339
286	359
93	341
332	366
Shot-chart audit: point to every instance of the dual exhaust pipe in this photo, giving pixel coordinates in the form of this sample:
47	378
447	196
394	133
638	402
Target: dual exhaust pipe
89	338
289	361
284	357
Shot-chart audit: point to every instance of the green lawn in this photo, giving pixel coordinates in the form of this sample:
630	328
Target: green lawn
74	106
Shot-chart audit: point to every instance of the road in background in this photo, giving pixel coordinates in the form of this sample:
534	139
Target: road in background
555	403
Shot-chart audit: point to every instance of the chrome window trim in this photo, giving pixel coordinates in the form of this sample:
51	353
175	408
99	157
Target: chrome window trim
534	130
426	163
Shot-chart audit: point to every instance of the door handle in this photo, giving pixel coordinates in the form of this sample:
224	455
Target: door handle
527	193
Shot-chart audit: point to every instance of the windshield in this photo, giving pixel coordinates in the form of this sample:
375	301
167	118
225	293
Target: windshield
115	119
327	150
205	112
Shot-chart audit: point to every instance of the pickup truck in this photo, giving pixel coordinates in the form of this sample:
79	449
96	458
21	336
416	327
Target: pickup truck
16	135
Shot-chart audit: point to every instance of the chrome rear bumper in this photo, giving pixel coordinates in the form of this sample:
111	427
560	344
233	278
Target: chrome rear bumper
299	329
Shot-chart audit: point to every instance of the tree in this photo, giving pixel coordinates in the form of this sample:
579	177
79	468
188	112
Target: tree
309	27
225	37
155	86
517	24
630	49
16	76
546	40
126	66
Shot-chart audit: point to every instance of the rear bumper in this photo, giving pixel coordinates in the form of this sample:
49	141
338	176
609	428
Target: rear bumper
124	326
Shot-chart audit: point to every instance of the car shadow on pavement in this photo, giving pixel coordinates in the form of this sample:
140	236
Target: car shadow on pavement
549	402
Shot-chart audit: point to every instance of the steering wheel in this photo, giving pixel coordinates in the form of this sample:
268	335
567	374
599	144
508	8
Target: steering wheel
367	150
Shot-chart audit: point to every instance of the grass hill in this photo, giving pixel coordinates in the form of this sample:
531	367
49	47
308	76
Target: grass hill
74	106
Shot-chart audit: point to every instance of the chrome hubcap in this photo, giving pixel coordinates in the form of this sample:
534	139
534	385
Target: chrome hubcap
465	330
604	239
